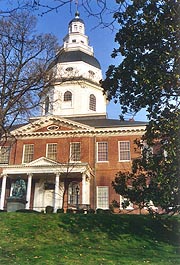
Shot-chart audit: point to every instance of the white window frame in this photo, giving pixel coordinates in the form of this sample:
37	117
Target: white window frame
67	104
23	157
71	154
122	199
146	146
99	199
102	161
4	155
129	150
47	151
67	96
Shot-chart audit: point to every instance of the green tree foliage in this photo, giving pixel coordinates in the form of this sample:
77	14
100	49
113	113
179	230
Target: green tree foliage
148	77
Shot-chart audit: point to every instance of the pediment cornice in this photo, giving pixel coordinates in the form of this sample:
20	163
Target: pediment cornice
88	132
34	126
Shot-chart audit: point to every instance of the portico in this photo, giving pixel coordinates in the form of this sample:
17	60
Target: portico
45	180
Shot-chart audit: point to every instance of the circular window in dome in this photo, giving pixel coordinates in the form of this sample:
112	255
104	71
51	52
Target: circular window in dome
69	69
53	127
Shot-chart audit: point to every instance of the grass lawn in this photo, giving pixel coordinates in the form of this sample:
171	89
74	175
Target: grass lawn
29	238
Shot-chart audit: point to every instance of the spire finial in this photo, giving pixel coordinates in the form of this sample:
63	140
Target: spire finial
77	12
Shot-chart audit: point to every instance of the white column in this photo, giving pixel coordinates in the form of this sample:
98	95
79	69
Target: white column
84	191
56	193
28	194
88	191
3	192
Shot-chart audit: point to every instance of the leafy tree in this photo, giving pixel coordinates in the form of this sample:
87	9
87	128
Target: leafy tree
24	72
133	187
148	77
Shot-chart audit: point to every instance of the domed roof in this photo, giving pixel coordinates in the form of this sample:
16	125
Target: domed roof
74	56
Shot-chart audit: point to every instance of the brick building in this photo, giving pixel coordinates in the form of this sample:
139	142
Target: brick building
72	144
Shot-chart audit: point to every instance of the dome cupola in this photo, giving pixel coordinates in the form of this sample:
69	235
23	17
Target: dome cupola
76	38
77	90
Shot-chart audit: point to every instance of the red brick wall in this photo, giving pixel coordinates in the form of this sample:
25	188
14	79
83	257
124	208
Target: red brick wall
104	173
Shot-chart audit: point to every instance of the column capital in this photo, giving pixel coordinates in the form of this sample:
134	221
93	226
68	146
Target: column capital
85	177
29	174
4	175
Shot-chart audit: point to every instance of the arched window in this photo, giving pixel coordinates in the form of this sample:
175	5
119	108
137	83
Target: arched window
92	102
46	105
67	96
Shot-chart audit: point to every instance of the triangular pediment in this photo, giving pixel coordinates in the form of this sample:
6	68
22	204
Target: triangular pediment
42	161
50	124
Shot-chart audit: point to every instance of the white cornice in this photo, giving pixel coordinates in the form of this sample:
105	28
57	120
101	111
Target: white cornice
83	133
52	167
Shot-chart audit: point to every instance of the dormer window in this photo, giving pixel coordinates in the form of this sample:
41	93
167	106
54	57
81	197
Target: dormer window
92	102
67	96
74	40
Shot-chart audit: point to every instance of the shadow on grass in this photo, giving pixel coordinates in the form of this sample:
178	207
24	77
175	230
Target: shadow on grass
114	226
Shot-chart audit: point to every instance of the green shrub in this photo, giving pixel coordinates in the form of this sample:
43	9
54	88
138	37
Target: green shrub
49	209
99	211
108	211
69	211
26	211
60	210
102	211
91	211
80	211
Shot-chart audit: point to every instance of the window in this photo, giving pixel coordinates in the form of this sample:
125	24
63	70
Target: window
67	96
4	154
46	105
69	69
124	151
92	102
125	203
146	150
28	153
102	151
53	127
51	151
75	152
74	193
91	73
102	197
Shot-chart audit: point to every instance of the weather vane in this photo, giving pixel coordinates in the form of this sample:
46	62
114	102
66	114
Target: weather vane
76	3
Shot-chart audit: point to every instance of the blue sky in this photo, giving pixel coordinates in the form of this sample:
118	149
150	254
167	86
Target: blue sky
101	38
